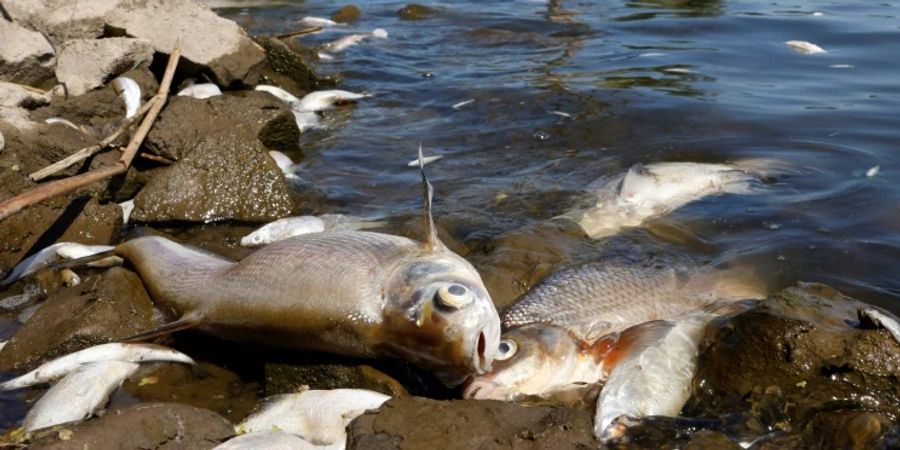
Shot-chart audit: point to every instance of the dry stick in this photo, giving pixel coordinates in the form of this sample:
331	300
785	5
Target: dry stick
159	159
45	191
291	34
87	152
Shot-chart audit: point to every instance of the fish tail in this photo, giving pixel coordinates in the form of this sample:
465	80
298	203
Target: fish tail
738	283
765	167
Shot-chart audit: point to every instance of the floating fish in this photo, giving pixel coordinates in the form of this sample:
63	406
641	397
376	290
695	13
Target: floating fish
64	365
79	395
318	22
283	95
51	254
283	161
324	100
426	160
652	190
873	171
318	416
271	440
463	103
130	93
807	48
355	293
201	91
288	227
885	320
556	336
353	39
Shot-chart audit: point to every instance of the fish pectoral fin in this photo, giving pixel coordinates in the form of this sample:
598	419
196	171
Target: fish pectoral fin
186	322
636	339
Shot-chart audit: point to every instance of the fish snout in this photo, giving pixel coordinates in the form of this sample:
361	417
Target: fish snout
484	350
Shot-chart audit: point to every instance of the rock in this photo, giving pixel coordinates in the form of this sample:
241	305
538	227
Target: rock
286	67
286	379
85	64
62	19
798	355
414	11
416	422
187	121
227	176
207	39
160	426
19	96
25	56
347	14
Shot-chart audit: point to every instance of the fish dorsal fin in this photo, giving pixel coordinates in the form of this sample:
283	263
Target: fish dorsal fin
431	240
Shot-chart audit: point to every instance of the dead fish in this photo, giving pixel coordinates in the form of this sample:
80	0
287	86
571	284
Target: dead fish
306	120
318	22
288	227
3	344
426	160
807	48
201	91
652	190
882	319
279	93
353	39
79	395
557	334
69	278
355	293
324	100
463	103
127	207
64	365
651	369
271	440
318	416
60	120
130	93
52	253
283	161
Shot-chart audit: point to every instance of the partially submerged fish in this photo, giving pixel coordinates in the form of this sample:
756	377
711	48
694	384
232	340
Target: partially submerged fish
807	48
130	93
353	39
426	160
324	100
288	227
64	365
318	416
52	253
79	395
200	90
557	335
352	292
882	319
651	190
283	161
318	22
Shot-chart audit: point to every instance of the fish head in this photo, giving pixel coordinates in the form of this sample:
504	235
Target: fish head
532	360
440	316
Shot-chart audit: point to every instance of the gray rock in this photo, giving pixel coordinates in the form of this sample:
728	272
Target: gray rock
17	95
62	19
85	64
25	56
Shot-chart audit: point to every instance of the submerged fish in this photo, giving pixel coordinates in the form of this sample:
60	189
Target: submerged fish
356	293
651	190
64	365
79	395
318	416
557	335
288	227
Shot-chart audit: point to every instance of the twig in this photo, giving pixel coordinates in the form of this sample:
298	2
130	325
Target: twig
159	159
45	191
295	33
87	152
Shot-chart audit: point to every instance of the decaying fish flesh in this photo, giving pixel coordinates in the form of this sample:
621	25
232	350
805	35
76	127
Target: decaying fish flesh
652	190
79	395
64	365
319	416
282	229
130	93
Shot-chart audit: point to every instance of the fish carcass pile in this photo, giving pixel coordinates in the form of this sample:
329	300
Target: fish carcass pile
313	331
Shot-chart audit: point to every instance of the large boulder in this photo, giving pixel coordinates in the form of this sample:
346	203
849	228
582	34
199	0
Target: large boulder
25	56
62	19
85	64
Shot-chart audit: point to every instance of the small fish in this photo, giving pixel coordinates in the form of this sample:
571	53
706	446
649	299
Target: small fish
651	369
64	365
882	319
52	253
127	207
323	100
463	103
282	229
280	93
307	120
426	160
561	114
130	93
271	440
652	190
873	171
807	48
60	120
557	334
283	161
201	91
319	416
318	22
353	39
79	395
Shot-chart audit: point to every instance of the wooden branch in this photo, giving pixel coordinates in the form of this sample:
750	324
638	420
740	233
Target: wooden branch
87	152
296	33
45	191
159	159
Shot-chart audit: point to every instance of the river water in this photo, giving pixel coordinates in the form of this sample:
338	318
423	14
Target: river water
636	81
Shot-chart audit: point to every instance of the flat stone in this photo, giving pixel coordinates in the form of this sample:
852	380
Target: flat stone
62	19
17	95
25	56
85	64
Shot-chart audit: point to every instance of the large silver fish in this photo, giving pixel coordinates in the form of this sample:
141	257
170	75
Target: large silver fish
557	336
355	293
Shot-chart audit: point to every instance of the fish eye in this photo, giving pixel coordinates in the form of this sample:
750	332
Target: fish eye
507	349
454	296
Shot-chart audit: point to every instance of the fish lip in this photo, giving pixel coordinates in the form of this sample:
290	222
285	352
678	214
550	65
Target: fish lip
484	348
474	385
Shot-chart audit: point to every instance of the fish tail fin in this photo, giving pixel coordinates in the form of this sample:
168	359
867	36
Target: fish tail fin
766	168
186	322
636	339
431	239
738	283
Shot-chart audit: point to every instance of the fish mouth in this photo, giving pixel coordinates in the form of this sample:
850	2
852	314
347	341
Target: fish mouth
481	389
484	349
479	360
